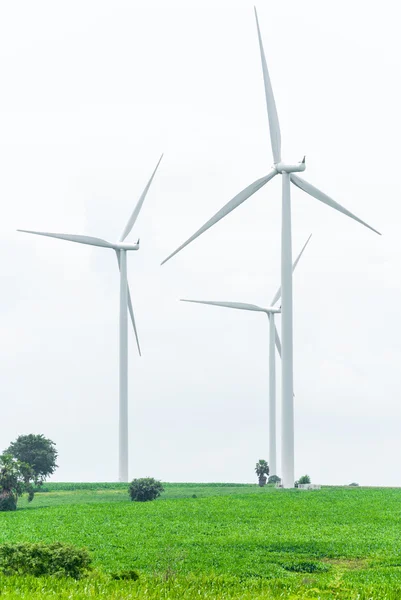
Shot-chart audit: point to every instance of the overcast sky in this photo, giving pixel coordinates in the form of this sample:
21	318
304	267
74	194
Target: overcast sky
91	94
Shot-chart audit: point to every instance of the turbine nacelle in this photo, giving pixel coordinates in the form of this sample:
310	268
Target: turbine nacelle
122	246
282	167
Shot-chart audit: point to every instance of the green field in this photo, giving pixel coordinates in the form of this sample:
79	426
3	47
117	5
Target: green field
230	541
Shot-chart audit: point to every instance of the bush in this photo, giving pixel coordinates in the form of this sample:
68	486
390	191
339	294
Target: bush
145	489
131	574
7	501
44	559
305	566
354	484
274	479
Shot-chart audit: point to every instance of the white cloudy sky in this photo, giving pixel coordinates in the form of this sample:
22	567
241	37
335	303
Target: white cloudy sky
91	94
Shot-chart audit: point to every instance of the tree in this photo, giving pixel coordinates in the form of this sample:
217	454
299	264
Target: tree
36	451
262	470
303	479
145	489
274	479
14	481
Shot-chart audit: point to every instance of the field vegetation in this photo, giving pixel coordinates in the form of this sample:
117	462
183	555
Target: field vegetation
214	542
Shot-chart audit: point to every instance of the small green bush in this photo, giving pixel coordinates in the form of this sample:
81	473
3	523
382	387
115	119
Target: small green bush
305	566
145	489
274	479
44	559
8	501
130	574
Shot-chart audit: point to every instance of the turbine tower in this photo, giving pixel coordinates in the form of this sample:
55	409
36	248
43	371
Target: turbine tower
274	340
121	248
287	172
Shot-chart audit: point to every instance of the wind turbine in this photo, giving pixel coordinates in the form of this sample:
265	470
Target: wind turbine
287	172
274	340
121	248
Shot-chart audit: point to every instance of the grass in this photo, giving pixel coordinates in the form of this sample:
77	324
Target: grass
230	541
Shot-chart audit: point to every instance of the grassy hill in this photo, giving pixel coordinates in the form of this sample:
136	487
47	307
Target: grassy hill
229	541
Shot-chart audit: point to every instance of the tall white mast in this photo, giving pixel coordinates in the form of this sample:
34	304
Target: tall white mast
123	405
272	396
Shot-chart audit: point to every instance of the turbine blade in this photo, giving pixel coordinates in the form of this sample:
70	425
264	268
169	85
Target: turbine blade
278	293
239	305
312	191
278	342
131	310
275	135
134	216
227	208
80	239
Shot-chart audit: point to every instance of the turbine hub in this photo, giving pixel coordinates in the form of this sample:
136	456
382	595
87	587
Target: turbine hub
272	310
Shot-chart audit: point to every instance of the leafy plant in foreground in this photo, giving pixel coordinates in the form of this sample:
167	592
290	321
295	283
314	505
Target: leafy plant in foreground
145	489
44	559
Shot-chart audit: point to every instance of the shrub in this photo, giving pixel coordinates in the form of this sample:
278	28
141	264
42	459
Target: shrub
305	566
274	479
8	501
145	489
130	574
44	559
354	484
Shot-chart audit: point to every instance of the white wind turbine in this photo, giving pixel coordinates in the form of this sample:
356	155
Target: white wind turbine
287	172
121	250
274	340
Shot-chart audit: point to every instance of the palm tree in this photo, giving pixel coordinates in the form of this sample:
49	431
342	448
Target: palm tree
262	471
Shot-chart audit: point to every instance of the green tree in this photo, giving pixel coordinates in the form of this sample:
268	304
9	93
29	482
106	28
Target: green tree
262	471
15	479
145	489
303	479
38	452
